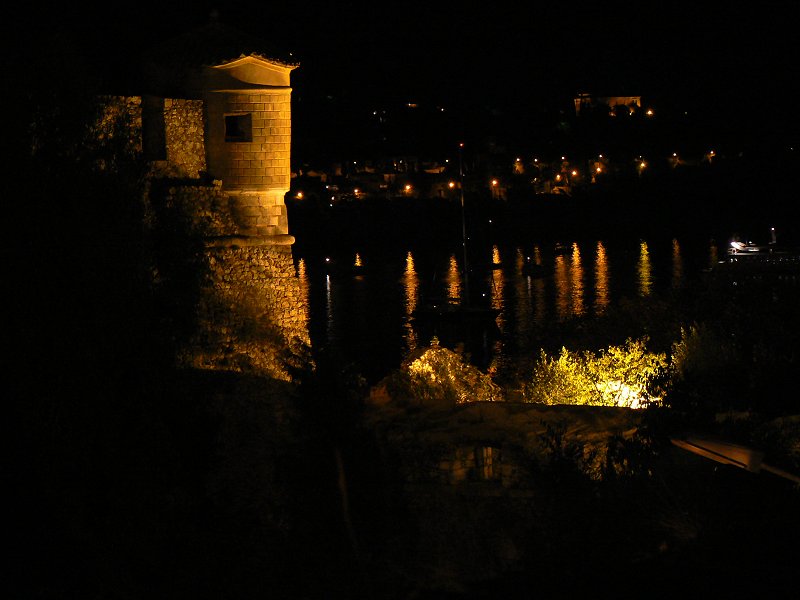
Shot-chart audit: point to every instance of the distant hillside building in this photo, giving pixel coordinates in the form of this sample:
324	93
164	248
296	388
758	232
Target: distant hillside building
585	102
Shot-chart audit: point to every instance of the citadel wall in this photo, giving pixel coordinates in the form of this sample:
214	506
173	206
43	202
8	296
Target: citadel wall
249	313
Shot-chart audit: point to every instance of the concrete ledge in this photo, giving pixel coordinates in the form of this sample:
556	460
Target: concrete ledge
233	241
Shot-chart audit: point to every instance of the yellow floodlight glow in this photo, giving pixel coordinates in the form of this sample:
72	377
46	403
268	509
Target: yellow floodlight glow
494	182
299	195
574	173
451	184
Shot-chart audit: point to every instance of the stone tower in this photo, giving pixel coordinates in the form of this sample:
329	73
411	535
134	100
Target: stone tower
217	129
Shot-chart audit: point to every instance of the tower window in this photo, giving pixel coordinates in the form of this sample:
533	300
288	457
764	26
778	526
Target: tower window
239	128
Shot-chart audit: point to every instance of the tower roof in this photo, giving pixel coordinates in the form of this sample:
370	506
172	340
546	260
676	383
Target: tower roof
171	66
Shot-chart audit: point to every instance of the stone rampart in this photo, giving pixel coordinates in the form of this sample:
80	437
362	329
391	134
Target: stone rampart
184	136
251	314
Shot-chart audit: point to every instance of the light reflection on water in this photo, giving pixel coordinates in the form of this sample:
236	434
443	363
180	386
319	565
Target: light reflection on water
561	281
601	279
454	280
367	315
411	286
329	307
576	281
498	283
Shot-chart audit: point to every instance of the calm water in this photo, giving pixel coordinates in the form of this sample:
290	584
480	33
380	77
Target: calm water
361	303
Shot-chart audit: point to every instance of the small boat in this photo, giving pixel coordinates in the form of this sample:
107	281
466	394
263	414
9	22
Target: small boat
772	262
738	248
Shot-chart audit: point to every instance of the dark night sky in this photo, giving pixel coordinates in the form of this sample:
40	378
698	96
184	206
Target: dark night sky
402	45
735	55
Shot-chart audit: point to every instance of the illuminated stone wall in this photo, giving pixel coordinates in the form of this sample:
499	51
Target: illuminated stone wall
259	213
251	316
262	162
185	136
250	313
256	173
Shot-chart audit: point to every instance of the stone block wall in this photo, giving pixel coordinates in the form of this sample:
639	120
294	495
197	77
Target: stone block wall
263	161
203	210
210	212
259	213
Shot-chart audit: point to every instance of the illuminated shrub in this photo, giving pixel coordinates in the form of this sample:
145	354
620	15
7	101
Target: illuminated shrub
438	376
619	376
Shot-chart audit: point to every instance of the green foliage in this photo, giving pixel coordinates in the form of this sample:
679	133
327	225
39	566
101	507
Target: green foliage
701	352
619	376
438	376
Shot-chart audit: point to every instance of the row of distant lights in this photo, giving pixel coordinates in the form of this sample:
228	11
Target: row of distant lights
649	112
407	188
642	163
408	105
